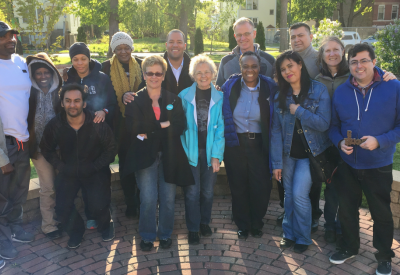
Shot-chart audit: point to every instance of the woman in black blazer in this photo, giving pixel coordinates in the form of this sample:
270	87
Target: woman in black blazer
155	121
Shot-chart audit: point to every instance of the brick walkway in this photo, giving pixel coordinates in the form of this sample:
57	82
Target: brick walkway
222	253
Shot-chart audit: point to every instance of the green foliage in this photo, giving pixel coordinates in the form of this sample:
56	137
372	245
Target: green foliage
303	10
387	48
232	40
260	37
81	35
198	42
54	48
94	12
40	17
326	28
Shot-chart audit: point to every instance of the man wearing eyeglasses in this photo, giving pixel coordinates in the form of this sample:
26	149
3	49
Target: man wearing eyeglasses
244	35
370	108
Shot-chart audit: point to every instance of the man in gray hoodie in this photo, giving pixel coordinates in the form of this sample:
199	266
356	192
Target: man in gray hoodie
244	35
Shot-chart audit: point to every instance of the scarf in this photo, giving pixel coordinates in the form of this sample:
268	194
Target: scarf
120	81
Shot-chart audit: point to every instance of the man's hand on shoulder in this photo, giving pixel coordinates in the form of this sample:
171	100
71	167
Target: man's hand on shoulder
370	144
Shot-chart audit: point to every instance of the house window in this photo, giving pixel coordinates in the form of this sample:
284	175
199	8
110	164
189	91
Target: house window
271	12
251	4
395	12
381	12
255	21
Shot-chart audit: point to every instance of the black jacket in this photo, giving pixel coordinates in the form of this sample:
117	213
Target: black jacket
82	153
101	92
140	119
170	83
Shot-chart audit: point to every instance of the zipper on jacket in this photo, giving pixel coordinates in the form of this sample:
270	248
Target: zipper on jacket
77	154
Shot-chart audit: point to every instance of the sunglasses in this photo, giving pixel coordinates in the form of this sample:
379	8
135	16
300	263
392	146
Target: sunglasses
156	74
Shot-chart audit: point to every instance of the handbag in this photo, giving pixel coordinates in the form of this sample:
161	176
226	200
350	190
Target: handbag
323	166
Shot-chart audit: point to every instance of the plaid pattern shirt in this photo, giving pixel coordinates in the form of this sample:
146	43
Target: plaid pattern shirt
364	90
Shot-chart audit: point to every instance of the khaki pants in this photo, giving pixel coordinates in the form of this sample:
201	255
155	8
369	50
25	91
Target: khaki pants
46	174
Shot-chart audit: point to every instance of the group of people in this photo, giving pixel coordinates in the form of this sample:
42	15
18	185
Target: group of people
171	126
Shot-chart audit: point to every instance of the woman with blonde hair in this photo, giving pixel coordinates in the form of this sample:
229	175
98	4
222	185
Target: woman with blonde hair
155	120
204	144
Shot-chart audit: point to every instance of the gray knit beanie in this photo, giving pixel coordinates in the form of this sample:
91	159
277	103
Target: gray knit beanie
120	38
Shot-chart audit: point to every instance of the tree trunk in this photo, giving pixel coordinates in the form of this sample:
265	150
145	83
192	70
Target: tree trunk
92	30
283	24
113	22
351	14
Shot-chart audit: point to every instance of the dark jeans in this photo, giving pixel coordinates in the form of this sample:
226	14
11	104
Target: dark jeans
250	181
199	197
376	185
98	191
332	221
14	187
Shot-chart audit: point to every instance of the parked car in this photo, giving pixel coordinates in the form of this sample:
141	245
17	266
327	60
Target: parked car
349	39
370	41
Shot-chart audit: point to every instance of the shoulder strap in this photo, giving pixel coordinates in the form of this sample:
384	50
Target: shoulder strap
303	138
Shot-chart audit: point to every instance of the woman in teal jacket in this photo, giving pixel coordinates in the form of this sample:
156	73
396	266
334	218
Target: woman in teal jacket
204	143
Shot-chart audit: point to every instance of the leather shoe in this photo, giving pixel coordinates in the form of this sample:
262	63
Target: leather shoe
285	243
243	234
256	233
300	248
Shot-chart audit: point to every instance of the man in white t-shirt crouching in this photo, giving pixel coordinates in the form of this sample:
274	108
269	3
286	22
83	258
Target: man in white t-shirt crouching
15	88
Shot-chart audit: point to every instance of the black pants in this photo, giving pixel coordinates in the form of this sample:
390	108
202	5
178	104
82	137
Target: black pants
250	182
14	187
376	185
98	191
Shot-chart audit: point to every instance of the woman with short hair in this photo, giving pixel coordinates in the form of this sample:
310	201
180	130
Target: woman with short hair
155	120
204	143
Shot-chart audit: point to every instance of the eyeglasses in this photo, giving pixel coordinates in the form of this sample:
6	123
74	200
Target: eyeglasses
156	74
354	63
201	73
239	35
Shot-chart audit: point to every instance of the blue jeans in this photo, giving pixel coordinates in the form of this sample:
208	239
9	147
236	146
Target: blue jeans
199	197
296	176
151	183
331	212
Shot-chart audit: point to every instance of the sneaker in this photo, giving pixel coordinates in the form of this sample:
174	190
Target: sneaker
205	230
384	268
193	237
7	250
165	244
286	243
330	236
75	241
109	233
54	235
2	263
91	224
256	233
340	257
20	235
146	246
243	234
300	248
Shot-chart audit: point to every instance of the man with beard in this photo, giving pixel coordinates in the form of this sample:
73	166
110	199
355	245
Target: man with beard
86	150
15	88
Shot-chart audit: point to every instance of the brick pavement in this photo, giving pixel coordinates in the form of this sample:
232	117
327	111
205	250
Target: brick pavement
220	254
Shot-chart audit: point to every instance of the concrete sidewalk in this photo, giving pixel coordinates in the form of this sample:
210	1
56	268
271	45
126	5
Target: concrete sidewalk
222	253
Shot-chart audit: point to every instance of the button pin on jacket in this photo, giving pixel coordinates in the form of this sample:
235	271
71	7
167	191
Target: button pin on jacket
170	107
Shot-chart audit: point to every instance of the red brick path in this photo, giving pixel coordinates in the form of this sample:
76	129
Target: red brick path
222	253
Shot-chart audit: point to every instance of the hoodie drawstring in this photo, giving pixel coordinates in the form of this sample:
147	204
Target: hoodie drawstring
358	106
20	144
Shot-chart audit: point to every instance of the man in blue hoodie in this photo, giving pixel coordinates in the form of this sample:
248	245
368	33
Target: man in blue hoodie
370	108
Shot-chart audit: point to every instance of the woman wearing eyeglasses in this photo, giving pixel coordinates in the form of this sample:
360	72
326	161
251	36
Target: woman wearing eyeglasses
155	121
203	142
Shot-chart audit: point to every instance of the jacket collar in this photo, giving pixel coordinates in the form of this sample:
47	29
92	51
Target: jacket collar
236	51
190	95
94	67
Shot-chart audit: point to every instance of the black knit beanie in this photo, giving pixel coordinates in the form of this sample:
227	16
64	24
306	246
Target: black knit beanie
79	48
38	65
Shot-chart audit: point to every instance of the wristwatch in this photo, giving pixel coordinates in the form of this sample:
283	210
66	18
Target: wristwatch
105	111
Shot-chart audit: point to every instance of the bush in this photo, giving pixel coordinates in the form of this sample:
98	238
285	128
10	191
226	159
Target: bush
81	35
232	40
260	37
387	48
198	42
326	28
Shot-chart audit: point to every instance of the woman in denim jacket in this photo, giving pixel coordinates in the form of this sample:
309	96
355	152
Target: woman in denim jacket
307	101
